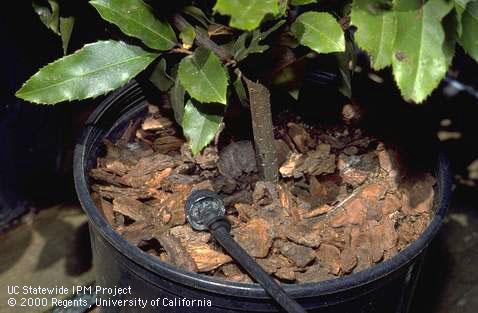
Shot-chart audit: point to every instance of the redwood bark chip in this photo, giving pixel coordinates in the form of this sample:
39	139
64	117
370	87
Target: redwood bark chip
329	257
265	193
131	208
300	255
303	234
234	273
255	237
314	273
187	235
146	168
177	254
237	158
315	162
205	258
348	260
388	160
286	273
301	138
273	263
323	209
390	204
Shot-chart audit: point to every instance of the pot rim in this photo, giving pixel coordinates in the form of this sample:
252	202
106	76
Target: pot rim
247	290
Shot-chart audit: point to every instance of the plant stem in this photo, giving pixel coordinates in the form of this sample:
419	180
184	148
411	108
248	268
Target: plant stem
203	40
259	98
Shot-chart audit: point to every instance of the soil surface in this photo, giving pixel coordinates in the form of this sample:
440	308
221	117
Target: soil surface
342	204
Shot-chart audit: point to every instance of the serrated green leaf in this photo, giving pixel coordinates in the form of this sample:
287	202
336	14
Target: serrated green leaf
50	17
91	71
469	36
375	33
199	126
204	77
187	36
247	14
135	18
320	32
66	28
302	2
420	61
243	47
160	78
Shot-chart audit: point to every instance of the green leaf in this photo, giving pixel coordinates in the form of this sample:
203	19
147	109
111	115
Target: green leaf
319	31
420	61
375	33
469	36
450	26
204	77
66	28
283	6
50	17
302	2
460	7
247	14
408	5
160	77
243	47
199	126
241	91
135	18
91	71
187	36
177	96
198	15
346	62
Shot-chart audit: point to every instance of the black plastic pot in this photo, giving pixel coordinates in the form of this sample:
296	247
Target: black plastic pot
385	288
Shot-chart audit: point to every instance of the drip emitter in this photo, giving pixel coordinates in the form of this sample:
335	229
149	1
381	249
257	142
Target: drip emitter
205	210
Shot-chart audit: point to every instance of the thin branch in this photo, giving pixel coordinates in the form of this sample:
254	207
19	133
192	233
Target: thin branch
203	40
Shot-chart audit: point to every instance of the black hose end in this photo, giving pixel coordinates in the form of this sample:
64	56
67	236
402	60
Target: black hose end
203	208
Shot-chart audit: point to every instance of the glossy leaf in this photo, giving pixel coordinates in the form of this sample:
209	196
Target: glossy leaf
469	36
66	28
241	92
204	77
50	16
419	61
198	15
408	5
199	126
460	7
160	78
247	14
91	71
135	18
302	2
177	96
375	32
187	36
320	32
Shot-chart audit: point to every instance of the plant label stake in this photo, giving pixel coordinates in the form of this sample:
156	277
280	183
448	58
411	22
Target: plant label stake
205	211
